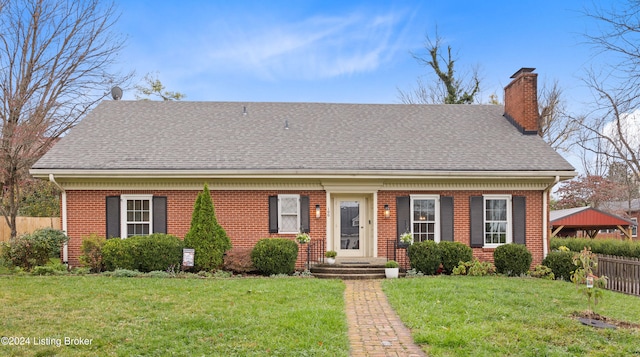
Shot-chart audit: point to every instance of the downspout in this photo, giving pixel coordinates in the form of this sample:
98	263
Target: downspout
63	217
545	219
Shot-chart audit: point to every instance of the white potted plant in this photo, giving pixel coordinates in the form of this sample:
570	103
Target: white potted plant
406	239
391	269
331	256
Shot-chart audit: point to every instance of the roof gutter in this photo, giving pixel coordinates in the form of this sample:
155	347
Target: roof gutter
545	217
299	174
63	217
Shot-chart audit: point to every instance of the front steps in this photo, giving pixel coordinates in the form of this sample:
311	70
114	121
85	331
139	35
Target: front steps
349	270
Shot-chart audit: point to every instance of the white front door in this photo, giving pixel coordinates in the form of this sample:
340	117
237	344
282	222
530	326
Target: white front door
350	222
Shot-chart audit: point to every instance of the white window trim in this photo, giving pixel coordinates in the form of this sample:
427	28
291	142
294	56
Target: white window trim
509	236
436	236
634	220
123	212
280	230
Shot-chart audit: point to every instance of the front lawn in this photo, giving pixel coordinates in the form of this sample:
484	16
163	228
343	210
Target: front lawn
498	316
181	317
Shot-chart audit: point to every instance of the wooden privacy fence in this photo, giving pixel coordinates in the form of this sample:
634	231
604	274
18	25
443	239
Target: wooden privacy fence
27	225
623	273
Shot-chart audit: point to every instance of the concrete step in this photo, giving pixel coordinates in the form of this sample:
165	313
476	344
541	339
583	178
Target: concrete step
349	276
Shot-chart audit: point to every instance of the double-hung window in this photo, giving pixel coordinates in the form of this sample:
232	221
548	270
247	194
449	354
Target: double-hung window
634	228
425	215
497	220
136	215
288	213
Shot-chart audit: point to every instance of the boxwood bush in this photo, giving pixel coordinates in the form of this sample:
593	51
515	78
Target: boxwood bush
425	257
452	253
143	253
512	259
561	264
275	256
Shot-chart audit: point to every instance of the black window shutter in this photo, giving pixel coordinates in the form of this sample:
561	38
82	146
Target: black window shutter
113	216
273	214
446	219
403	215
159	214
476	216
304	214
519	206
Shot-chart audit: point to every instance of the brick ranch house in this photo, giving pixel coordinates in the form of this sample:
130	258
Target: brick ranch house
476	174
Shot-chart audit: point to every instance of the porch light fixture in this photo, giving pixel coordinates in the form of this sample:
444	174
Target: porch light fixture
317	211
387	213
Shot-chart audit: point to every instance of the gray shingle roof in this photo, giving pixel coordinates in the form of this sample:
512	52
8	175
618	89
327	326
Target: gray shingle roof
216	135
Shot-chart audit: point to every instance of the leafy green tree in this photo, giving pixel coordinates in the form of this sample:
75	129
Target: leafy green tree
206	235
152	87
40	199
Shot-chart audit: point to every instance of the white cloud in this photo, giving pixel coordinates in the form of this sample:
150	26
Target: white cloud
313	48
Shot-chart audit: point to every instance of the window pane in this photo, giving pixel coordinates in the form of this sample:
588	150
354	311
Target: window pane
424	210
289	223
289	205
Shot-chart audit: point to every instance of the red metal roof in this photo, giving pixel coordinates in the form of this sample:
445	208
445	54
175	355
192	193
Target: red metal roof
586	217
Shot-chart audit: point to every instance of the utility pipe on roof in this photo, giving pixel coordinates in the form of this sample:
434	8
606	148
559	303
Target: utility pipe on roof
545	217
63	217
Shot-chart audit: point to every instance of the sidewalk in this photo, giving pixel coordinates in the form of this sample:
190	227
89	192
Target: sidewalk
374	327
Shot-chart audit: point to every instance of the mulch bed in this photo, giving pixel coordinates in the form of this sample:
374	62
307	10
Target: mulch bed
595	316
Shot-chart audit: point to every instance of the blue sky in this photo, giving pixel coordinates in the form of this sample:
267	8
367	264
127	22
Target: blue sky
347	51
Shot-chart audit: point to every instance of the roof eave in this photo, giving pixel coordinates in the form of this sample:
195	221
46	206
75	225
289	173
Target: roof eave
302	173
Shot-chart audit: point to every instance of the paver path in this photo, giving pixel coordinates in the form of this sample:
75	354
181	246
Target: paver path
374	327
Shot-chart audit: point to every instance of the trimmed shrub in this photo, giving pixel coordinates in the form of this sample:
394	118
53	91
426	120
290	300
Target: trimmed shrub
561	264
143	253
205	235
425	257
452	253
156	252
117	254
616	247
35	249
238	260
512	259
275	256
91	249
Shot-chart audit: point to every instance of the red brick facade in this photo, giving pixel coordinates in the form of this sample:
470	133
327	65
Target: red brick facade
244	214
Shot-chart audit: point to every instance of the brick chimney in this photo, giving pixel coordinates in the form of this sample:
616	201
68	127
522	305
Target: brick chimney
521	101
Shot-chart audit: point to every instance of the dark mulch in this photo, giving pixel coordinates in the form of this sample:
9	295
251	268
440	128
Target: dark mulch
595	316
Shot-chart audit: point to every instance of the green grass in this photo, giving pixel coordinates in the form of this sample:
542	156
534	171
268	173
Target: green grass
179	317
498	316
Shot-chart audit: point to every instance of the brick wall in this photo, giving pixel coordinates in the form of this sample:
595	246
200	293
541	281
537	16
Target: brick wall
534	235
244	216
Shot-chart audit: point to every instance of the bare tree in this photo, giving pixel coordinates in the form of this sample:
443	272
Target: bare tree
448	87
55	58
555	126
610	132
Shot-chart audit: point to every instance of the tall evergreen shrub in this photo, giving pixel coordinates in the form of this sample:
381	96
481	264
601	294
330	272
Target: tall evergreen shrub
206	236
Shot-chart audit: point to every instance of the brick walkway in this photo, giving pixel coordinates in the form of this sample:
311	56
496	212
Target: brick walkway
374	327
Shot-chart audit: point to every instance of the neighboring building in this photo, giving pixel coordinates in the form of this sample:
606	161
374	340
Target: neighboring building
590	222
476	174
629	209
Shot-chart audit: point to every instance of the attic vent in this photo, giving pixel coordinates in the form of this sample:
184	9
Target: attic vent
286	125
244	111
